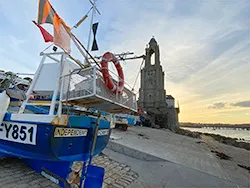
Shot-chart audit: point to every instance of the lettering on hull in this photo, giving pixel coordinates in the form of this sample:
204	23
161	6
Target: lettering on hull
69	132
103	132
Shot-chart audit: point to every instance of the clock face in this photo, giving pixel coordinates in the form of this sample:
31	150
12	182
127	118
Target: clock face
150	73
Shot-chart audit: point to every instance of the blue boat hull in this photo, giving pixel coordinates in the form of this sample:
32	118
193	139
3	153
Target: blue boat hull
57	171
50	147
55	154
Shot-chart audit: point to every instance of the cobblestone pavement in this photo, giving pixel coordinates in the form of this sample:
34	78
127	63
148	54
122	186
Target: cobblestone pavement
15	174
117	175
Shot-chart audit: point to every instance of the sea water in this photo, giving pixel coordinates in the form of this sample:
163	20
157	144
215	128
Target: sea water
233	133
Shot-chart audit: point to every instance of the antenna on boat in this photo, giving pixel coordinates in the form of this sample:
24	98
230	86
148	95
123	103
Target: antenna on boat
86	15
77	42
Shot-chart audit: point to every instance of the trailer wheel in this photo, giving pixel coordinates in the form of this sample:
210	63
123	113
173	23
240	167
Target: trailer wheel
125	128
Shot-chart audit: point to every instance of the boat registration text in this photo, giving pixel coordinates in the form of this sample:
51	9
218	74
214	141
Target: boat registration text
18	132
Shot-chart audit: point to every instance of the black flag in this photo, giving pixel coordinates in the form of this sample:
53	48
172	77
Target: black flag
94	45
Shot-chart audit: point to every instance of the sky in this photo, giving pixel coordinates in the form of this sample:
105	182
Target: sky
204	46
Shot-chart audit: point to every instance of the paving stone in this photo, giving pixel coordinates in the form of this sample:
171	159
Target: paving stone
109	173
104	185
3	174
29	177
107	163
123	165
122	183
34	182
29	172
6	181
126	169
110	167
112	172
130	173
45	183
17	175
115	185
135	175
108	180
21	186
53	185
123	171
34	186
116	176
128	178
10	185
6	178
118	168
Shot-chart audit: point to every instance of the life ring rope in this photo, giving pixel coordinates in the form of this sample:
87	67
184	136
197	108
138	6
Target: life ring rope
106	58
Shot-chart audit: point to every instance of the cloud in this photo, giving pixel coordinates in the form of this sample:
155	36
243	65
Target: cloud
241	104
218	105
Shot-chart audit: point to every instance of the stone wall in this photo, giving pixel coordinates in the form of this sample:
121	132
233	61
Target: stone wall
167	119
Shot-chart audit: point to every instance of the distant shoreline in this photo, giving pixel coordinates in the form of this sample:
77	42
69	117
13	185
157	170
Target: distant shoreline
222	139
199	125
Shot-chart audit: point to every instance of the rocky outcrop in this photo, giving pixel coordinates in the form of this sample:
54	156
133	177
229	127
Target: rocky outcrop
222	139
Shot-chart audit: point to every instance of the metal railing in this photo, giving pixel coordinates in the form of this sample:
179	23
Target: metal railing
88	83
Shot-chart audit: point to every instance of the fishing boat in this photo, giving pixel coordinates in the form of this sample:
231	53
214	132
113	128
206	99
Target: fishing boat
56	137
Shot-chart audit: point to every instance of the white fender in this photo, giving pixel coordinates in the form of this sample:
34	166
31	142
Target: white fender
4	104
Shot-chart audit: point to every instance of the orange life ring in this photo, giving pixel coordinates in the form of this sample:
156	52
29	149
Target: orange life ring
107	57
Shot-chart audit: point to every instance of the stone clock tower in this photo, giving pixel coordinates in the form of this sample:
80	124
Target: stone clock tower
152	95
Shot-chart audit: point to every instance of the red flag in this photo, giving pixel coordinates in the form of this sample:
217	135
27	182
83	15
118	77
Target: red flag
46	35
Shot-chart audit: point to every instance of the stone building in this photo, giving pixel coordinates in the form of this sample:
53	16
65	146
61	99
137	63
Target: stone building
159	107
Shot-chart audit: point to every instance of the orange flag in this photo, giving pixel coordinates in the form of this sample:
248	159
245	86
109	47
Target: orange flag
47	14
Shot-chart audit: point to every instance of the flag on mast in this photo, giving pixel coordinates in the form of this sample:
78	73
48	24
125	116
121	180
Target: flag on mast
62	38
94	45
46	35
47	14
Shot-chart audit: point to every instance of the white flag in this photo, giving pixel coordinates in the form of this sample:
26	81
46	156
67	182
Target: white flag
62	38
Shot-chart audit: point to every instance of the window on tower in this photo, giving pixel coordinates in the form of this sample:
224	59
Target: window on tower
152	59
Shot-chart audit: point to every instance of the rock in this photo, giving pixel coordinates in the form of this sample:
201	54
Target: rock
221	155
245	167
143	136
188	133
